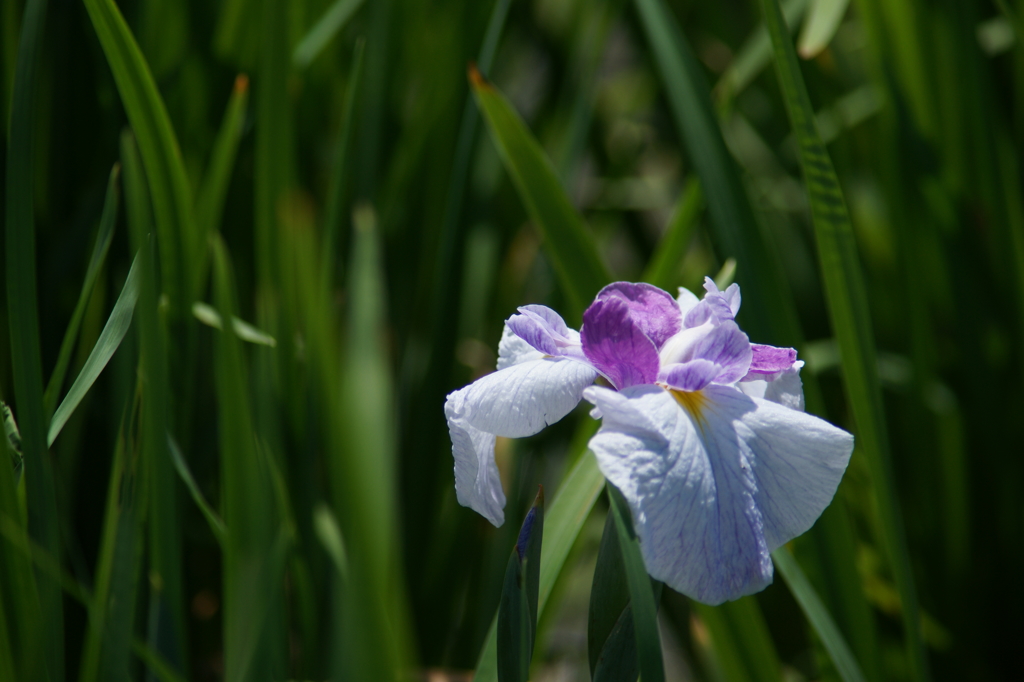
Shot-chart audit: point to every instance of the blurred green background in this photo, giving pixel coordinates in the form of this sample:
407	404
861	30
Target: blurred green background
278	503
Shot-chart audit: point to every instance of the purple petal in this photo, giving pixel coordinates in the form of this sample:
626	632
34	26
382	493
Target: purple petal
654	311
727	347
690	376
542	328
770	360
731	295
616	346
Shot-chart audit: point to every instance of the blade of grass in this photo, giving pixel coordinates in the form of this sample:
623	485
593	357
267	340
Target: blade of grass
323	31
641	597
372	635
609	594
517	608
570	245
569	510
851	322
166	620
335	209
768	313
214	189
740	641
663	269
247	488
23	320
107	647
180	241
753	56
99	255
217	526
243	330
18	588
820	26
818	615
110	338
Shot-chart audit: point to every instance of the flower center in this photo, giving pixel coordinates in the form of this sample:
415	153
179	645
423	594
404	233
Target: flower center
692	401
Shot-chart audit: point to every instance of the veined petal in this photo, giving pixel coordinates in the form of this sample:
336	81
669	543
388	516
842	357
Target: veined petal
512	350
689	376
544	330
477	482
770	360
784	388
654	311
731	295
716	481
729	348
616	345
523	398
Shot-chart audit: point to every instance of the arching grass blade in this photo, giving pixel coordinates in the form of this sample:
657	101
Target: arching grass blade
180	242
641	596
110	338
23	320
99	255
851	323
326	27
517	609
566	238
818	616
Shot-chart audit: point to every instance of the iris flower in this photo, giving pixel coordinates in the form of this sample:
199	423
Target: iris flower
702	431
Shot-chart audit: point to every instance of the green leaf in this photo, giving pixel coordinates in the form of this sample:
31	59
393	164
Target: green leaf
220	531
328	26
209	316
517	609
166	620
110	338
609	595
23	323
181	243
768	313
851	322
818	616
742	647
663	269
641	596
753	56
99	255
563	521
820	26
107	648
336	203
569	243
214	189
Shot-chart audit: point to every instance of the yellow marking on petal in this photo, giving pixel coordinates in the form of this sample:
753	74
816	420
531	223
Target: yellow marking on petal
693	402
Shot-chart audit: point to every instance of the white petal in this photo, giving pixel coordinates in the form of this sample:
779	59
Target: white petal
686	300
785	389
512	350
477	482
716	487
522	399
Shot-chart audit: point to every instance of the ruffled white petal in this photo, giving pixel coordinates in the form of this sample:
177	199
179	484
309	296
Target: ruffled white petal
686	300
785	389
715	487
522	399
477	482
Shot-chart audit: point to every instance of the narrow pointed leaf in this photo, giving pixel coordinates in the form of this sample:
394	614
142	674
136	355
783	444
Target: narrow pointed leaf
99	255
326	27
663	269
740	640
214	189
768	313
818	616
110	338
23	323
820	26
641	596
208	315
567	239
211	516
851	322
564	520
517	609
